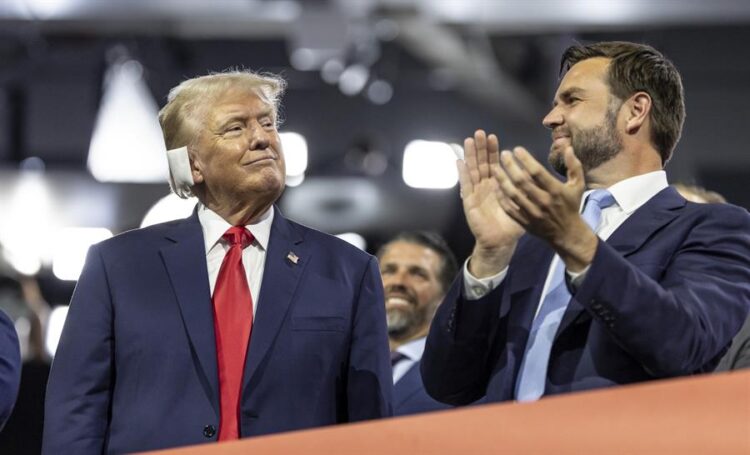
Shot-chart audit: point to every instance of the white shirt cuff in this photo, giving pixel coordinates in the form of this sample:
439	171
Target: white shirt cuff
576	278
476	288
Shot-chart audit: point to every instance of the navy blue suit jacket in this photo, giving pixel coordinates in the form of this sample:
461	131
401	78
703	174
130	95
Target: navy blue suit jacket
663	297
410	397
136	365
10	367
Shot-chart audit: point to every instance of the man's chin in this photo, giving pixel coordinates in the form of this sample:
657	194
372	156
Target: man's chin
556	160
398	321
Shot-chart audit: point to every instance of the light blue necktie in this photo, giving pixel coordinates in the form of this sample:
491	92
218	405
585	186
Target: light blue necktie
533	374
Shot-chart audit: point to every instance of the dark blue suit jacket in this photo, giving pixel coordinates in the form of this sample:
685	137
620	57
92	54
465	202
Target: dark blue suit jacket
136	365
410	397
663	297
10	367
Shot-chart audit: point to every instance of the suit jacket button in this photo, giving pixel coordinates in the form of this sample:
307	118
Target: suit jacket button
209	431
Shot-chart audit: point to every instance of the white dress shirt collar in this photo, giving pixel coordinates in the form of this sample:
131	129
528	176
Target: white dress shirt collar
633	192
413	350
215	226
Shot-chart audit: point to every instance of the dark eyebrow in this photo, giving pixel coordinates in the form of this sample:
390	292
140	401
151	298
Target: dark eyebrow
567	94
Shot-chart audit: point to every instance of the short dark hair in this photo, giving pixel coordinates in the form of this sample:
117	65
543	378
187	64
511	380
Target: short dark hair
436	243
640	68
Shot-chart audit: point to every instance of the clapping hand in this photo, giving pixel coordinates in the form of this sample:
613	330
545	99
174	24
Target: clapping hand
495	232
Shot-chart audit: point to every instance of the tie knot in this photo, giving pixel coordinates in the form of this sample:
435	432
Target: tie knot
238	235
396	357
602	198
595	203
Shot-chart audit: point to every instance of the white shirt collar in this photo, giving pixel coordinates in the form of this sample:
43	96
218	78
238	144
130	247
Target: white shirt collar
413	350
215	226
633	192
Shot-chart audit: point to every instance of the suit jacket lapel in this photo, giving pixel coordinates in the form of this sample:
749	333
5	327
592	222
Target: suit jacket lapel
633	233
405	387
280	278
649	218
185	260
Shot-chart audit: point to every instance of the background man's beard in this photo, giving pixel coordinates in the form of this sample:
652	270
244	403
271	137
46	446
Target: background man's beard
399	322
593	146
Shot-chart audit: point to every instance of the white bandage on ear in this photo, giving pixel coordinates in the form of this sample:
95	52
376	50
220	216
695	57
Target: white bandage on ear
180	172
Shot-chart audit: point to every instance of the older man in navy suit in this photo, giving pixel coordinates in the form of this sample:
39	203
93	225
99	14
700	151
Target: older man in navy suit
608	278
10	367
231	323
417	269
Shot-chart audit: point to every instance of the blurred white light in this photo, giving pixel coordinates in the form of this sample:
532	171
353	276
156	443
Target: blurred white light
429	164
458	150
51	9
170	207
32	164
55	325
26	223
295	180
295	153
613	12
375	163
331	70
127	143
71	247
353	79
380	92
387	29
303	59
24	262
354	238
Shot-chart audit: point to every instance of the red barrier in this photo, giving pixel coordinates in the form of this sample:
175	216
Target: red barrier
701	415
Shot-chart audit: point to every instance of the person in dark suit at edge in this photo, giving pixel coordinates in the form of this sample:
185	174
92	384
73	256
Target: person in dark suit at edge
738	355
234	322
609	277
10	367
417	268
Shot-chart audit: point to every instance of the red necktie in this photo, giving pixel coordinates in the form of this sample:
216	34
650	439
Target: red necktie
233	322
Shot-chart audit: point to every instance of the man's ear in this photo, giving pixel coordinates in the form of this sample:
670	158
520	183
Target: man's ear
638	110
195	167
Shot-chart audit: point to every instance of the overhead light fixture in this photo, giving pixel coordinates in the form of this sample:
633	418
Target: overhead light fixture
127	144
429	164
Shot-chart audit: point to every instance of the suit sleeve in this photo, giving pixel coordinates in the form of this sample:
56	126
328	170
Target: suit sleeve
80	385
370	384
455	361
680	322
10	367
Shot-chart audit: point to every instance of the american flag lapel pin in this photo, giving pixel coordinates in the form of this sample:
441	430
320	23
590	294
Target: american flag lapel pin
293	258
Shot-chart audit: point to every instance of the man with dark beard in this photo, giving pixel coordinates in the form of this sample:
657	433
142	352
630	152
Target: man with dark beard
610	277
417	268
